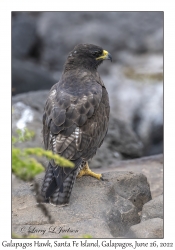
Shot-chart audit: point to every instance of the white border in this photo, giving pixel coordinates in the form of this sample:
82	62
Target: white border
5	95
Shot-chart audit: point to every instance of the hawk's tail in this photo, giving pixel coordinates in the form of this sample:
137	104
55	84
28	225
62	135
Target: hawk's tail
58	183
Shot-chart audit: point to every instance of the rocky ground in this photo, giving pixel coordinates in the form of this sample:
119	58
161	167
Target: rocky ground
120	206
122	203
151	167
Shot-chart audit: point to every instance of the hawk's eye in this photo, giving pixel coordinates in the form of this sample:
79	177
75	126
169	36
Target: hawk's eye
96	53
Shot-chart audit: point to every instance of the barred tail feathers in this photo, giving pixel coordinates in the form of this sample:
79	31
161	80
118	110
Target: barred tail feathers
57	188
59	197
46	181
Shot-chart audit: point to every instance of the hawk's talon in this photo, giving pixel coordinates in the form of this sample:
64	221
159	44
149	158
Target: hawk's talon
86	171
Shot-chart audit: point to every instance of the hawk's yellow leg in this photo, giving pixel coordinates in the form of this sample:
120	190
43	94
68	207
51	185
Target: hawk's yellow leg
86	171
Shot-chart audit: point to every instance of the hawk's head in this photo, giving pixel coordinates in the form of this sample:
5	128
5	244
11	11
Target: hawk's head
88	56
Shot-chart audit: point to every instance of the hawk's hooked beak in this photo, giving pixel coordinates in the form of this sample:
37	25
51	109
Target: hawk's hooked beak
105	56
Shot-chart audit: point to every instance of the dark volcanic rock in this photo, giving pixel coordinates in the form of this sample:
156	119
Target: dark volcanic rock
24	35
27	75
120	143
95	208
123	139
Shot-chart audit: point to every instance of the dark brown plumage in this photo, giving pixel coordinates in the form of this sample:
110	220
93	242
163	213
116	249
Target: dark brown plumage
75	119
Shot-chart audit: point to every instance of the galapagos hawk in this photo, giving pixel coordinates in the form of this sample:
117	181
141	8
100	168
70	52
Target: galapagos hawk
75	120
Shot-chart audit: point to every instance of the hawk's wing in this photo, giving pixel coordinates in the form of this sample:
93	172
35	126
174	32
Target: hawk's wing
69	124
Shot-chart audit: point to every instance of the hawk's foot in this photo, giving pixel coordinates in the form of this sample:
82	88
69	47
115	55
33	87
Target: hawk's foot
86	171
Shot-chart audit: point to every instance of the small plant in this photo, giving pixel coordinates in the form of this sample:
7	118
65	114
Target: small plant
23	164
30	236
85	236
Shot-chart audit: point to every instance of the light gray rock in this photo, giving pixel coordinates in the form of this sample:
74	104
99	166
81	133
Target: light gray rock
95	208
121	215
131	87
25	116
152	228
35	99
132	186
153	209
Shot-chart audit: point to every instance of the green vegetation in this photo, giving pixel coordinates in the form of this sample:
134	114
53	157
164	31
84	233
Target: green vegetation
31	236
23	164
85	236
